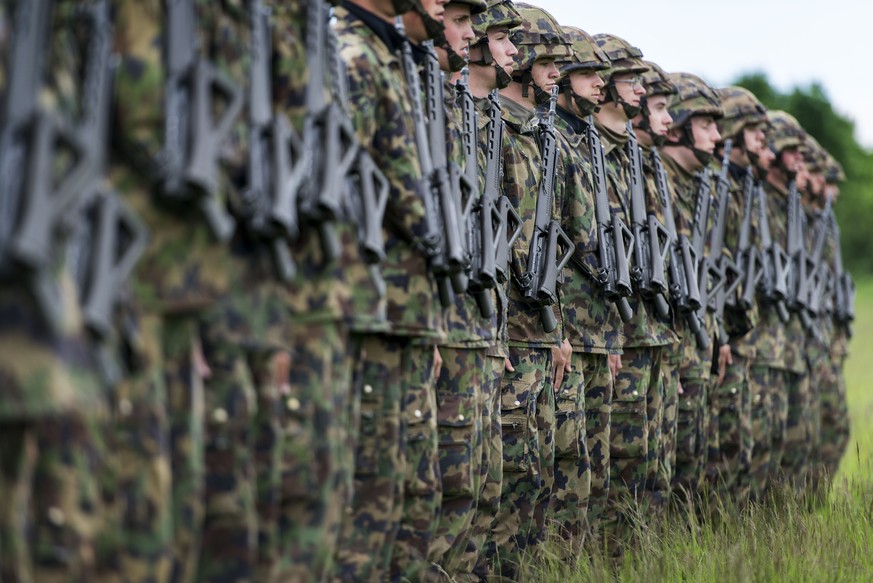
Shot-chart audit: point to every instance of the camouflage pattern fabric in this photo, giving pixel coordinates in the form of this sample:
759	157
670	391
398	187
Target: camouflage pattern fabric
780	382
670	364
370	523
471	561
459	419
569	498
422	488
834	418
523	472
732	403
758	476
798	430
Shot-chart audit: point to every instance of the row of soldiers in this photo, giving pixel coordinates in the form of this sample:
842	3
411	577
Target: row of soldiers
393	289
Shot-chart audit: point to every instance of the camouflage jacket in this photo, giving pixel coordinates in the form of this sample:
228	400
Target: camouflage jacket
696	361
383	119
464	324
591	322
45	371
522	170
643	329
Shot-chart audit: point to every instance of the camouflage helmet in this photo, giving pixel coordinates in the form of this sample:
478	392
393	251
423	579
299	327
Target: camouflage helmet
623	57
585	54
693	97
456	61
539	36
834	170
656	81
497	13
741	108
785	131
476	6
814	155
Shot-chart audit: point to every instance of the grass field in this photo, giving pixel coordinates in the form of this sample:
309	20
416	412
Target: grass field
782	541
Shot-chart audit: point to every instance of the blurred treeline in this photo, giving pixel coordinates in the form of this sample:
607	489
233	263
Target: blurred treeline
836	133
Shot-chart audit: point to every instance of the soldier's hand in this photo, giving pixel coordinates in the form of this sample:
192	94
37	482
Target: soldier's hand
281	367
507	365
614	364
200	365
437	362
560	363
724	359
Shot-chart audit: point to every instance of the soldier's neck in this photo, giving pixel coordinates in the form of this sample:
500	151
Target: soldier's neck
514	92
612	117
683	156
482	81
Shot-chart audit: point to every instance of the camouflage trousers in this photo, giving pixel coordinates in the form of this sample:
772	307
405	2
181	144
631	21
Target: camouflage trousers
459	420
312	490
526	404
568	511
667	445
763	382
471	562
834	435
137	542
422	487
598	407
637	413
731	416
50	507
798	430
691	436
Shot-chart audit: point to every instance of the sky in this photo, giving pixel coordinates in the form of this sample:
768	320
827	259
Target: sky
793	42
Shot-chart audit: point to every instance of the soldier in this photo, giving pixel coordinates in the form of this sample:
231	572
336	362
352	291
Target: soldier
791	444
490	66
53	403
690	144
591	323
399	367
651	126
744	122
638	381
834	409
469	334
537	361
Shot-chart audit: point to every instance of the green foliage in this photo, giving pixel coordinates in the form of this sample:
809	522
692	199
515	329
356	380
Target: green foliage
836	133
784	539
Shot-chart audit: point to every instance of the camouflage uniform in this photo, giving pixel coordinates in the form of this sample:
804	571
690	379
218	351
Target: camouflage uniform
459	387
733	399
469	562
396	468
591	324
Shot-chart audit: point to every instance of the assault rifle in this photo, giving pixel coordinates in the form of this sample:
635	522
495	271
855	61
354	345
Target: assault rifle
188	165
798	281
454	201
774	262
539	283
705	268
269	200
822	275
844	284
510	223
726	272
682	268
441	242
748	256
652	243
484	227
615	242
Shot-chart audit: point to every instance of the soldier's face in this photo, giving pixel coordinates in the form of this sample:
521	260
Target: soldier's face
435	9
754	138
501	48
704	130
413	23
459	28
586	84
791	159
766	159
659	114
631	93
817	184
831	192
802	176
545	74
